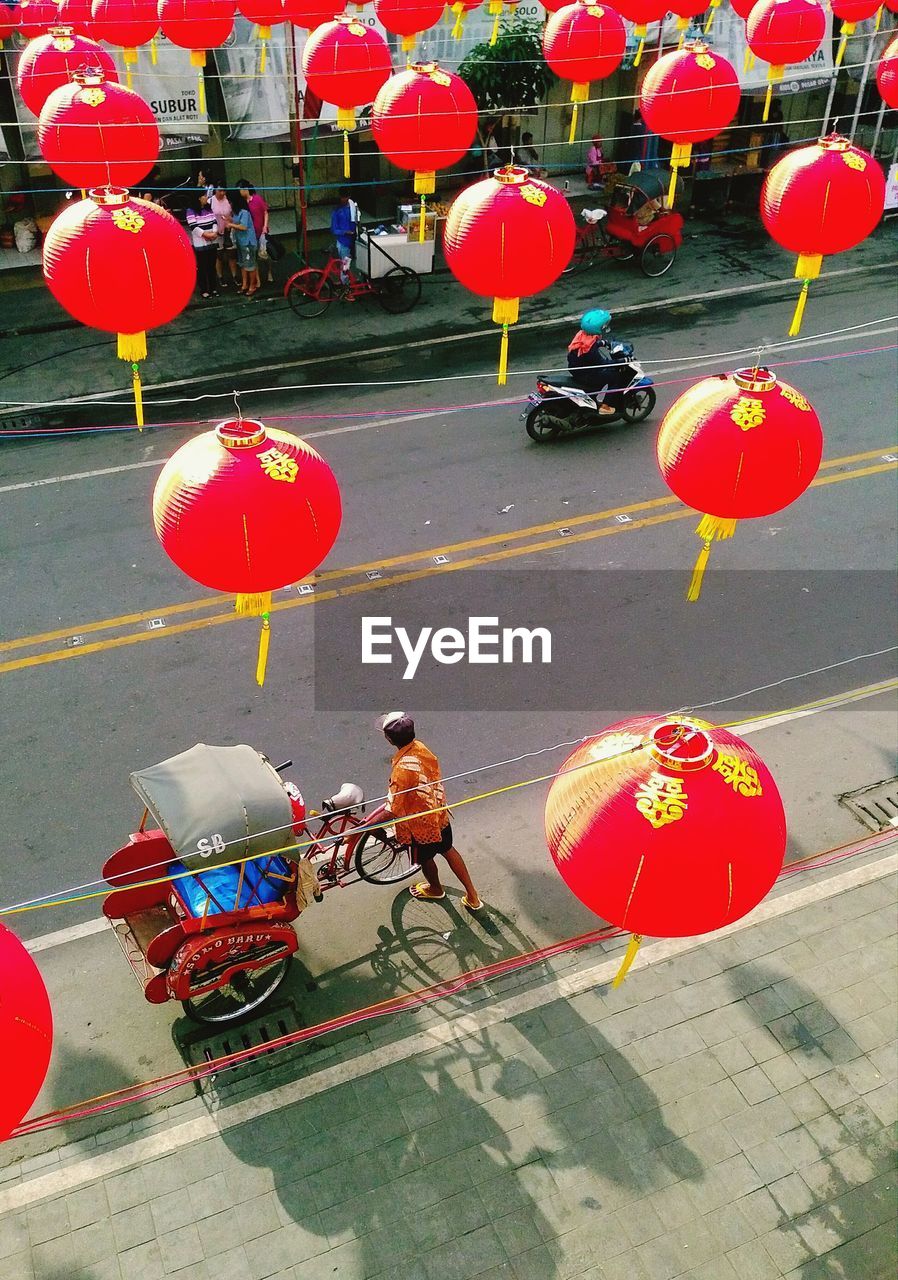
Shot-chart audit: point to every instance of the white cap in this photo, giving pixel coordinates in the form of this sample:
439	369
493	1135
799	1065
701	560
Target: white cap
391	718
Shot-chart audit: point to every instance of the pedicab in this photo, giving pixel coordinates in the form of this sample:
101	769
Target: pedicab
203	902
637	223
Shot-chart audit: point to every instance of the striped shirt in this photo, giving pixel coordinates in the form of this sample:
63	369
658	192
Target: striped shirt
200	220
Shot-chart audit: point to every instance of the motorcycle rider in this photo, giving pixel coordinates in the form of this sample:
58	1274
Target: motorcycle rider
589	357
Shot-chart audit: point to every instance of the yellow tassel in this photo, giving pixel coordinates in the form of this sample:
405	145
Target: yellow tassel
345	154
264	33
766	114
130	57
798	314
748	61
138	395
422	219
253	604
345	118
83	193
494	34
132	346
459	27
408	43
201	92
841	50
878	19
129	79
672	189
506	310
681	40
425	182
264	641
197	57
808	266
639	49
572	136
698	573
629	957
154	56
263	58
503	357
716	528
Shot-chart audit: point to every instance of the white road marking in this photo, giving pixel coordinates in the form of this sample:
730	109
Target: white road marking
348	428
45	941
399	348
454	1031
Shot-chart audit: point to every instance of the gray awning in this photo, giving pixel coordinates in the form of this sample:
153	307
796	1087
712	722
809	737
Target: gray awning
215	804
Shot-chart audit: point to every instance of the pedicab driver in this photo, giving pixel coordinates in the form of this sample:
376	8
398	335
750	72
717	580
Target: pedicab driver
416	794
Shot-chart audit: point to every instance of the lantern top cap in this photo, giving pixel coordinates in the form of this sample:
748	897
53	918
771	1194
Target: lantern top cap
695	46
758	378
60	31
109	197
240	433
424	68
680	744
85	76
512	175
834	142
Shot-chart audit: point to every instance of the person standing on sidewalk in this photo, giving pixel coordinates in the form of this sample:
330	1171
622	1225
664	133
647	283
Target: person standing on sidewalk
204	238
417	795
258	211
241	225
226	263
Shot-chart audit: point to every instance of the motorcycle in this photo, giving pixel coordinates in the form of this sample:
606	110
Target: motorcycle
557	408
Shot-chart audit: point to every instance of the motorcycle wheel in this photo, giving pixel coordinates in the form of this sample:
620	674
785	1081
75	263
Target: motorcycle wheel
638	404
541	425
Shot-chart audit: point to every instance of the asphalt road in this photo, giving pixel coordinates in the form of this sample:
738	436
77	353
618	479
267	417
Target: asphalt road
81	551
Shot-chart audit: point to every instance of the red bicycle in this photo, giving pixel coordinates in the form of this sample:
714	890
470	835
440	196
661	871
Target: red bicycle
311	291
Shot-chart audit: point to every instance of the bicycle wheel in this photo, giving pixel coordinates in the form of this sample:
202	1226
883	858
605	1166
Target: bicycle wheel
381	859
246	991
584	254
310	293
658	255
399	290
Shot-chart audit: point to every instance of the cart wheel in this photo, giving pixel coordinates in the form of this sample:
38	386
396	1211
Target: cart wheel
399	290
380	859
658	255
584	255
638	404
310	293
541	425
246	991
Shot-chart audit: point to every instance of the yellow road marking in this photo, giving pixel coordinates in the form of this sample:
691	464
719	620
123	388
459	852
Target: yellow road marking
409	557
507	553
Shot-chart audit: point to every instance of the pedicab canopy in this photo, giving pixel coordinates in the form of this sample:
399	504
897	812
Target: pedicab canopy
217	804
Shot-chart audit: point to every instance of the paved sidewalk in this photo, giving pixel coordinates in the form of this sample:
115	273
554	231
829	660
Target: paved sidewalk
728	1114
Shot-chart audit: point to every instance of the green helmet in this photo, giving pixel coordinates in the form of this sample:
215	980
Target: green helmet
595	321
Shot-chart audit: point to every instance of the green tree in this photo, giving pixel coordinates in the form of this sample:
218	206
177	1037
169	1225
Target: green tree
511	75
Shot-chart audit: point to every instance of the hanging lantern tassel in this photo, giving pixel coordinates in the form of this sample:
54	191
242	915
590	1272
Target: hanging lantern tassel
629	956
264	36
264	642
682	27
494	8
710	529
807	269
425	185
714	6
346	122
640	31
198	60
878	19
154	56
774	74
847	30
505	312
680	155
130	59
459	25
749	60
579	93
138	394
408	43
132	347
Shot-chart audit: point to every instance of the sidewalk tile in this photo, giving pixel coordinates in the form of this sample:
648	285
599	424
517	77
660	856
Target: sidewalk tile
143	1263
209	1196
674	1206
733	1056
132	1227
729	1226
455	1216
180	1248
259	1216
14	1233
782	1073
221	1233
20	1266
171	1211
47	1220
751	1261
246	1181
883	1102
87	1204
761	1211
502	1194
799	1147
125	1190
641	1224
717	1269
754	1085
770	1117
695	1243
661	1259
786	1248
343	1263
475	1252
792	1194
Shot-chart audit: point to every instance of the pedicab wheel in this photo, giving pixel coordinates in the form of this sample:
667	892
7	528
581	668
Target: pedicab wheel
246	991
638	404
381	859
541	425
310	293
658	255
398	290
584	255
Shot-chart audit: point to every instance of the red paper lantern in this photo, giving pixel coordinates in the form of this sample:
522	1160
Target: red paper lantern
667	826
76	14
50	61
127	23
736	447
784	31
247	509
94	132
506	238
345	63
641	13
583	42
197	25
852	12
688	96
819	199
35	17
887	74
408	18
309	14
8	19
26	1032
424	119
122	265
